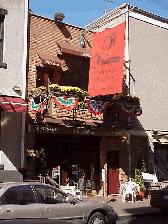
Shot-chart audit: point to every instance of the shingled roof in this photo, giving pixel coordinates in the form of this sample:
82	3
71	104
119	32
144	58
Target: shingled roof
45	34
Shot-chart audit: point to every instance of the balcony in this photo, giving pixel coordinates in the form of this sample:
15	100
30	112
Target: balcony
71	106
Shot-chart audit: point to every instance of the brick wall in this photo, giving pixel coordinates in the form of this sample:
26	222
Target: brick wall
115	144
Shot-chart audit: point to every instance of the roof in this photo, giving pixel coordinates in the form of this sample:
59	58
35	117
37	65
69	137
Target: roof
9	184
104	19
45	35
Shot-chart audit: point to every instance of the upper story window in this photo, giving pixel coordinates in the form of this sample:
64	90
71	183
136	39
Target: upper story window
43	74
3	12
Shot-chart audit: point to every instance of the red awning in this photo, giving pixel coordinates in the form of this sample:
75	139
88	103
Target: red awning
13	104
51	60
71	49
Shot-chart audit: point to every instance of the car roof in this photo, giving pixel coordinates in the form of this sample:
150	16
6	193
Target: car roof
6	185
9	184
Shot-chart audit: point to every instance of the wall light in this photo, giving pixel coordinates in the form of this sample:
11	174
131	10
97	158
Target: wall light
59	16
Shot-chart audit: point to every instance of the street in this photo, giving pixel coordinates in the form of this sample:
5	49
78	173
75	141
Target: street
153	219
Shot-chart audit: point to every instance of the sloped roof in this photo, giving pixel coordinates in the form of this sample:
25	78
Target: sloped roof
44	34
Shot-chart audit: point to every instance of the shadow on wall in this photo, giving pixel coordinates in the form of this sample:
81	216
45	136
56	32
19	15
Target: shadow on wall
62	27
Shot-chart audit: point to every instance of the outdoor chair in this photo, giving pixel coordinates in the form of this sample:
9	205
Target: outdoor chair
129	188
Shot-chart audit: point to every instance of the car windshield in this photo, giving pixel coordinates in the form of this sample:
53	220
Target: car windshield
50	195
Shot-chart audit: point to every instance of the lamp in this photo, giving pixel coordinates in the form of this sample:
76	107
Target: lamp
59	16
18	90
82	41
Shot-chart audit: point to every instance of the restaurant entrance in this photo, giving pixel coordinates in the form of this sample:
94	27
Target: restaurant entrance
74	154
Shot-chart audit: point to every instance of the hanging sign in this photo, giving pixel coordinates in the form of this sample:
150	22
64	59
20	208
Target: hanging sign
65	102
106	63
103	175
96	107
36	108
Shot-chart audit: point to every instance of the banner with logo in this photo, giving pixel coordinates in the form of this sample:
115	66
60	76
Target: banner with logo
106	63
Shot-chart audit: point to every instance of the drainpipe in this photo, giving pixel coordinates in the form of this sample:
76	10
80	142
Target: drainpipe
127	57
23	143
24	73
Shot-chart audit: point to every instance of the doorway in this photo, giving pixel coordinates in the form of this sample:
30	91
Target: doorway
113	171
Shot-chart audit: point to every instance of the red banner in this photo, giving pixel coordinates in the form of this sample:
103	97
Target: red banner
106	64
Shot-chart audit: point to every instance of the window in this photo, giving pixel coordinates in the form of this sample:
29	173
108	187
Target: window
18	195
43	74
3	12
50	195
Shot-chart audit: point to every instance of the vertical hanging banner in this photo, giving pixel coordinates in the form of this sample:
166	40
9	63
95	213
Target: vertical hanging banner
106	63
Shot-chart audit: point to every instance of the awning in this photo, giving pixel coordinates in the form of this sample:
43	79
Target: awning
51	60
12	104
71	49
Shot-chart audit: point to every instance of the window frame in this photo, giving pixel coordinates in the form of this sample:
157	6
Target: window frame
3	12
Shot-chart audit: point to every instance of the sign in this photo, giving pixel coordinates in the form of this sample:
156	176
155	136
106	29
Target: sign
50	62
147	177
106	63
103	175
56	172
60	129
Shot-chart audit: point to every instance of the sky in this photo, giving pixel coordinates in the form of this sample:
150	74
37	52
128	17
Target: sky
83	12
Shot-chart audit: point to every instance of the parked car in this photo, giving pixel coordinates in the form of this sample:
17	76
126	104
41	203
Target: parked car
31	200
34	221
159	198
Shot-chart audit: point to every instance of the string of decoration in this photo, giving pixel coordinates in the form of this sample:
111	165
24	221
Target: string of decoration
96	107
131	109
36	108
66	102
138	111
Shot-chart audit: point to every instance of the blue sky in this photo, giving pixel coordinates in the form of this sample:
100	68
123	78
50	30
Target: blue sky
82	12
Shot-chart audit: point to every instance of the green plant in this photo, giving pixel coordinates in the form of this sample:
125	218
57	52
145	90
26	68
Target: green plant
83	105
33	90
42	88
40	162
54	88
140	168
122	96
62	90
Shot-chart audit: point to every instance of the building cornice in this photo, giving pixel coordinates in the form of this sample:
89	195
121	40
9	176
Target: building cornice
135	12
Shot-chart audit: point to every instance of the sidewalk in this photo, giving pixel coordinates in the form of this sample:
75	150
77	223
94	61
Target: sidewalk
128	209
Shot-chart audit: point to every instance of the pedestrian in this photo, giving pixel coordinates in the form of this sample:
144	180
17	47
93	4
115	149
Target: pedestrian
81	185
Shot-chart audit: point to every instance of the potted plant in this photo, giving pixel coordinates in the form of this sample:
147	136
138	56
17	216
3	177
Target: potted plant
54	88
140	168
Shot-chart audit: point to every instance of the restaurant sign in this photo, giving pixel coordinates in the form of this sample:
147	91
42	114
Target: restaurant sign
75	131
106	63
49	62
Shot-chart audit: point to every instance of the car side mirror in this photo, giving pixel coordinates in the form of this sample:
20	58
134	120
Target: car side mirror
70	199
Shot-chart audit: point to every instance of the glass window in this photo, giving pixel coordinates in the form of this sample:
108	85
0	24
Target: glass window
3	12
50	195
18	195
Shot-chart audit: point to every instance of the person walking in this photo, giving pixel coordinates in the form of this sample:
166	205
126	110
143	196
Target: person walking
81	186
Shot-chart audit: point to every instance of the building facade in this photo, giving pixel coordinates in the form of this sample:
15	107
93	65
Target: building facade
146	39
13	59
71	137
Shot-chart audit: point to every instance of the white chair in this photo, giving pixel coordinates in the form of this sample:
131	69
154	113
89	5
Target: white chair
128	188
